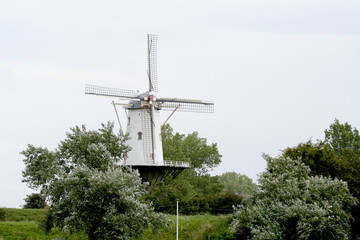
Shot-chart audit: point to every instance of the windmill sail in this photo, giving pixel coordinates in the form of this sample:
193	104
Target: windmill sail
152	65
188	107
111	92
147	138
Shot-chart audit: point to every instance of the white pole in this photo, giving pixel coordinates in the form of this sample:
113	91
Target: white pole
177	219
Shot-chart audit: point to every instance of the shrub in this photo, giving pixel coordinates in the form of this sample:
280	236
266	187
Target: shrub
2	214
35	201
294	205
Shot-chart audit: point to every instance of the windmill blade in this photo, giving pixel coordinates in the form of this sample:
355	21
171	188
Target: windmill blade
147	138
111	92
200	107
181	100
152	130
152	63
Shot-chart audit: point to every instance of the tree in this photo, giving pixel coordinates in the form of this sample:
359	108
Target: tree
238	183
338	156
87	188
191	148
343	139
319	156
35	201
292	204
191	183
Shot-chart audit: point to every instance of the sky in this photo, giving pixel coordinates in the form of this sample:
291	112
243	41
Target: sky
279	72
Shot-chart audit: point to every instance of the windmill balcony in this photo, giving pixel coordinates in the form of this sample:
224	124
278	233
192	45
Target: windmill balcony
177	163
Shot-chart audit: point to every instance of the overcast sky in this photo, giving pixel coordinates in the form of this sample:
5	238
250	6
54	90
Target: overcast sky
279	72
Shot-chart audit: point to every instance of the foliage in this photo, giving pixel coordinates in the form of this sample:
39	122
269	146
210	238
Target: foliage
221	234
87	189
221	230
31	230
190	227
343	139
35	201
95	149
198	227
192	183
104	204
294	205
238	183
221	203
338	156
2	214
319	156
18	215
23	224
191	148
191	190
216	203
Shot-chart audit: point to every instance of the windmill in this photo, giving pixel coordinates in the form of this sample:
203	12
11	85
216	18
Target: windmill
144	127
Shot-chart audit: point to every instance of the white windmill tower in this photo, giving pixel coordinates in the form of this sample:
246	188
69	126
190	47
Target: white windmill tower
144	127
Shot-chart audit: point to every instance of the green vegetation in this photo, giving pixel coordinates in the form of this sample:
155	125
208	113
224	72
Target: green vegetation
337	156
23	224
88	189
35	201
238	183
199	227
309	192
23	215
196	190
294	205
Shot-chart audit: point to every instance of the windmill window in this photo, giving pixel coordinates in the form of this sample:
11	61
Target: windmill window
139	135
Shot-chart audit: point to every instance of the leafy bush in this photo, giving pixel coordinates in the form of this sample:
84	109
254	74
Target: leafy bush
221	203
222	234
294	205
88	190
2	214
35	201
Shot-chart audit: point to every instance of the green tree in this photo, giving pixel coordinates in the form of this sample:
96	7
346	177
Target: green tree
35	201
2	214
87	188
193	182
338	156
238	183
294	205
344	139
202	157
319	156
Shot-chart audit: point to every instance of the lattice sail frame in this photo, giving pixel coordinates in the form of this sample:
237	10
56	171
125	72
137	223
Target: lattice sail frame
147	138
189	107
111	92
152	63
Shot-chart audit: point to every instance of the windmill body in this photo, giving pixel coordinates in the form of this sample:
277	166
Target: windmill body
144	127
139	130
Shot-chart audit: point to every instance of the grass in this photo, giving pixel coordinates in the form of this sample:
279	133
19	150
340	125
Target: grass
23	224
24	215
197	227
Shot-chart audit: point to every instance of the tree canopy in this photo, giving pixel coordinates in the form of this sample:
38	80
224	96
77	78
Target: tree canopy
294	205
238	183
194	187
35	201
191	148
337	156
87	188
344	139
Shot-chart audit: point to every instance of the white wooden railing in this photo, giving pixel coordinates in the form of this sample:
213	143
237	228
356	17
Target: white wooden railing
176	163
